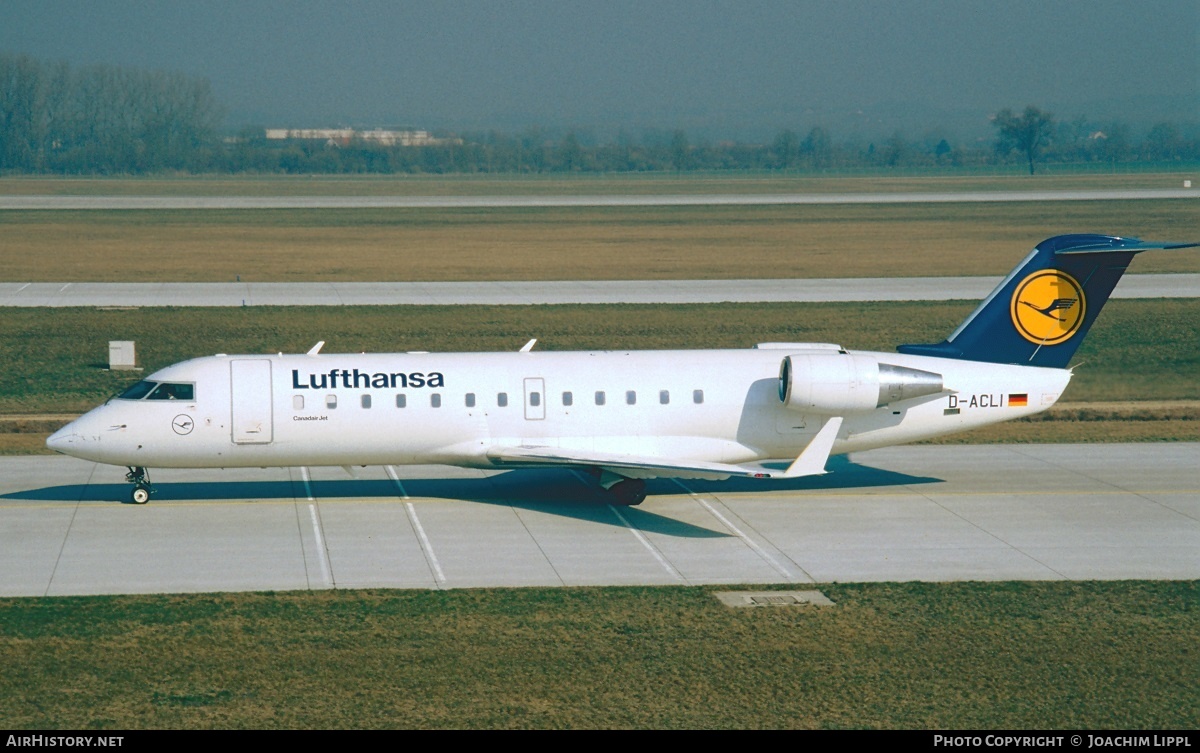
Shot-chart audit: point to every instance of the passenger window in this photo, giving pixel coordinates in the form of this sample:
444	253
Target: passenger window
630	397
697	396
366	401
470	399
535	399
435	400
297	402
568	399
664	397
600	398
502	399
331	401
401	401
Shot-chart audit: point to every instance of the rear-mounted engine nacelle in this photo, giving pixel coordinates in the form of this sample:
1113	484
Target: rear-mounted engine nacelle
839	383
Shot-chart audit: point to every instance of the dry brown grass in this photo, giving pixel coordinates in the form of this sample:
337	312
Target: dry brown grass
619	243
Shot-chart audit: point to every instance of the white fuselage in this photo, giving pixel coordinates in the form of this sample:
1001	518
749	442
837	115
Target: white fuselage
720	406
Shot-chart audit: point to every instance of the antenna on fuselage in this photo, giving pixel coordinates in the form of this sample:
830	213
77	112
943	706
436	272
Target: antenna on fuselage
528	346
314	350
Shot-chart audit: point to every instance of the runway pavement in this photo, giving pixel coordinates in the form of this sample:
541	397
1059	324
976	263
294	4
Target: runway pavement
43	202
988	512
543	292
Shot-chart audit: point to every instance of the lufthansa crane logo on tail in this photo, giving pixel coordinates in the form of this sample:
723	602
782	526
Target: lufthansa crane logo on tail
1048	307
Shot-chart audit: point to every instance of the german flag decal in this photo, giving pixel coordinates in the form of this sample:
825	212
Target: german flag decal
1019	400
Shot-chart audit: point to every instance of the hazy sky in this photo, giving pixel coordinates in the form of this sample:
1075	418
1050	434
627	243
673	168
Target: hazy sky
714	67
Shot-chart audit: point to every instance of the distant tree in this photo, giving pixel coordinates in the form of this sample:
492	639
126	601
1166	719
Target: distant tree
1163	143
1027	133
895	152
569	156
786	149
680	150
817	148
1113	143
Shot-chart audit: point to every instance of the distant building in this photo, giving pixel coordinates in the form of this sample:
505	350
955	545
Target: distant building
345	136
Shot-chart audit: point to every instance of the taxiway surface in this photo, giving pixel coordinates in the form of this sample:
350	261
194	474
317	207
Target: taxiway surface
52	202
117	294
929	513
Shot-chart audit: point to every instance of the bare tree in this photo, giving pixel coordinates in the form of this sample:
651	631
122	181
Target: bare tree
1027	133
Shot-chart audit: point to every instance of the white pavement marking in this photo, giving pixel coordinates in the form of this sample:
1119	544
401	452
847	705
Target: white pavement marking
322	552
391	471
426	546
307	485
739	533
637	534
649	547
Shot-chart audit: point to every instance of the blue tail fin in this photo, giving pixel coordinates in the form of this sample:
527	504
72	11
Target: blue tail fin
1041	312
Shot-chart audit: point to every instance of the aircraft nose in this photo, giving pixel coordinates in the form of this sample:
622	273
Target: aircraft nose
64	439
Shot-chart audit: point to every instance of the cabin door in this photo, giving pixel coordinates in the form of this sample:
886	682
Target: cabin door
250	389
535	399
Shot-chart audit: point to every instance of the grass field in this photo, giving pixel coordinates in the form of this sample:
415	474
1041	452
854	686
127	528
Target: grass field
613	243
987	656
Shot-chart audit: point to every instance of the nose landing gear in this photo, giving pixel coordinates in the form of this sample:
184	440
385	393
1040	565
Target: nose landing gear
140	478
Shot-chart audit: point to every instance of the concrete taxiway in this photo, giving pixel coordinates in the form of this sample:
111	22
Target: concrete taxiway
45	202
53	294
987	512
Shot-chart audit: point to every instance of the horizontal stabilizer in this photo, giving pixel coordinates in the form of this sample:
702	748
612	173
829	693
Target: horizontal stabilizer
1040	313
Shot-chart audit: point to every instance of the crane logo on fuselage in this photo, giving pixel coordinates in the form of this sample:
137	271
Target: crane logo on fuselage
1048	307
355	379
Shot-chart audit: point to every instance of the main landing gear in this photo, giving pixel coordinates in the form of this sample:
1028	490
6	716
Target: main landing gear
621	491
140	478
628	493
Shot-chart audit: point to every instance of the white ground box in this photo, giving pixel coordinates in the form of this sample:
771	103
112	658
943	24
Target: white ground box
122	355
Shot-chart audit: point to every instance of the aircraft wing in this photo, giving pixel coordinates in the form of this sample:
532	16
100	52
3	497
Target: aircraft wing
811	462
630	466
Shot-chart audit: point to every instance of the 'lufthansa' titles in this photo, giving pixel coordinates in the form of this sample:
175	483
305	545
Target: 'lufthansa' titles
355	379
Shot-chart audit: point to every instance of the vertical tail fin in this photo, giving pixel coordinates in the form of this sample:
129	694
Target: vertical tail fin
1040	313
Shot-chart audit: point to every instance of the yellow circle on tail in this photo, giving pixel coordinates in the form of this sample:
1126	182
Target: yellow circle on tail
1048	307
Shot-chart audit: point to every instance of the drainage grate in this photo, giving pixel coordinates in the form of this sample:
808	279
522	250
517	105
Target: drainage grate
773	598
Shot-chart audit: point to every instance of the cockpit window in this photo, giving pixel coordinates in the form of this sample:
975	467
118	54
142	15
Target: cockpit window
159	391
137	391
173	391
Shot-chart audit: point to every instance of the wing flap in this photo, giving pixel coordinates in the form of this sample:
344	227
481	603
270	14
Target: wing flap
631	466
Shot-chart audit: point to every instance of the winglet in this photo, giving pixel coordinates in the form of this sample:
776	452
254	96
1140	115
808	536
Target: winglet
528	346
316	348
812	461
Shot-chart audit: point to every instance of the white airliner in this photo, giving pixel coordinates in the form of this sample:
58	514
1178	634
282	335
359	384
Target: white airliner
777	410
